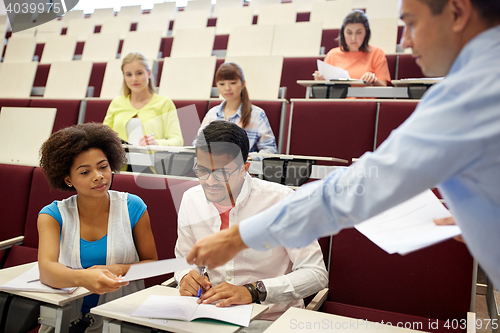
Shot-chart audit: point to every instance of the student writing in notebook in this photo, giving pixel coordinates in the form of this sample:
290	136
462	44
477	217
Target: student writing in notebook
227	194
91	238
140	116
237	108
355	55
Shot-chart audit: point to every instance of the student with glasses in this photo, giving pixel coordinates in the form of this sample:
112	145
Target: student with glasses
280	277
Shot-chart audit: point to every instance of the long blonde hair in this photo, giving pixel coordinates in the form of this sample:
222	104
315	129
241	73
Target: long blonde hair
137	56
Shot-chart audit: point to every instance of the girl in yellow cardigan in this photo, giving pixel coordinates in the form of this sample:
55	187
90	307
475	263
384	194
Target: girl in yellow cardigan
140	116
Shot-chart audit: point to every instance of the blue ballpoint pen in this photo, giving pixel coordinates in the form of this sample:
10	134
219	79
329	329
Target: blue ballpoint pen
200	290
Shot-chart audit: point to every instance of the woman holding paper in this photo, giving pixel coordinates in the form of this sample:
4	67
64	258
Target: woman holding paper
362	61
140	116
237	108
91	238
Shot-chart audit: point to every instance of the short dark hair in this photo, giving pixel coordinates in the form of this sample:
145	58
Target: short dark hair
60	150
356	16
488	9
230	139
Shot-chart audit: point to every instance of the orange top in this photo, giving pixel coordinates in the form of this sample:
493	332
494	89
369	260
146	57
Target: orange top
358	63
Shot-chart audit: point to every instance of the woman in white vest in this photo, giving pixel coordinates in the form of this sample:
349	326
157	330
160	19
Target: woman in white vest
91	238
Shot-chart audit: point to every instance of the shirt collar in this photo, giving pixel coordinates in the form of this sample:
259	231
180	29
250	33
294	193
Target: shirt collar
220	111
476	47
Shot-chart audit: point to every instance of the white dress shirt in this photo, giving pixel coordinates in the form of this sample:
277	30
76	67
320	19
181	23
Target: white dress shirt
288	274
451	140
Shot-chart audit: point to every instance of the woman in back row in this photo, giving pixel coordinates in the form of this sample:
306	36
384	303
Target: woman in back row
354	54
140	116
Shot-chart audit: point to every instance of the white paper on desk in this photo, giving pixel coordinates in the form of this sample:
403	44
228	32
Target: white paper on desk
408	226
330	72
21	283
154	268
187	308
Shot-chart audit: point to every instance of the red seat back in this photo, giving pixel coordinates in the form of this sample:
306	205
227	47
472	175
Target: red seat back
67	111
408	68
391	115
341	129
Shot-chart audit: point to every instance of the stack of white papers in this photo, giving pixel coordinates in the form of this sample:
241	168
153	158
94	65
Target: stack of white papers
187	309
408	226
330	72
29	281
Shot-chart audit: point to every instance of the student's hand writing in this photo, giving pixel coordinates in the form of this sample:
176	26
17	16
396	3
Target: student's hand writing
148	140
190	283
230	293
318	77
449	221
369	77
100	281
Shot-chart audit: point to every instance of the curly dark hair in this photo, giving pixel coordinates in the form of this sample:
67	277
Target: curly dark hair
59	151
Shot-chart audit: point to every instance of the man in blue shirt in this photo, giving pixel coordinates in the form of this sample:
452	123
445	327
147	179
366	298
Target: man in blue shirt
451	141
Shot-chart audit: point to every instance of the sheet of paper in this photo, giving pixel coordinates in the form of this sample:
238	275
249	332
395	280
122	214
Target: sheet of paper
330	72
408	226
187	308
28	281
154	268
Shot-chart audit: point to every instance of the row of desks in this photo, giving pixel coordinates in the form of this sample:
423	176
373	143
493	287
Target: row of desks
55	313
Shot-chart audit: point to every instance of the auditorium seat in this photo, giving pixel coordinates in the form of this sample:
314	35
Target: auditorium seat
297	69
166	47
147	42
158	193
297	39
20	50
391	115
193	42
262	75
330	13
195	19
253	40
221	5
230	17
95	110
71	15
97	77
68	80
154	22
116	24
82	28
16	79
367	283
198	71
168	9
277	14
220	42
101	14
392	62
133	11
384	33
101	47
58	48
67	111
329	39
341	129
16	183
113	79
408	68
40	195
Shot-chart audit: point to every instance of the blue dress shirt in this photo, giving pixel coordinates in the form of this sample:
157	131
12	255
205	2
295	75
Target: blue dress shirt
452	140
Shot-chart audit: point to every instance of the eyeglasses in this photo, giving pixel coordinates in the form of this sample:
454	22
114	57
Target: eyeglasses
220	175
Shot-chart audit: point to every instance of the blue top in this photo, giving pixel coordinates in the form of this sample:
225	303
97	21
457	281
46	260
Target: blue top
94	253
451	140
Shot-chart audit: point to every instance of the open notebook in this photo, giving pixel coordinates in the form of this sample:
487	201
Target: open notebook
187	309
28	281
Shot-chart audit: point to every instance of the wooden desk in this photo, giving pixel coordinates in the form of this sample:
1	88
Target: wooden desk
121	310
56	311
416	87
301	320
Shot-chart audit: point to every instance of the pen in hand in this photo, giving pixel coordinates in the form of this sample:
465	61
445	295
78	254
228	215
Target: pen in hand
36	280
200	290
147	142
